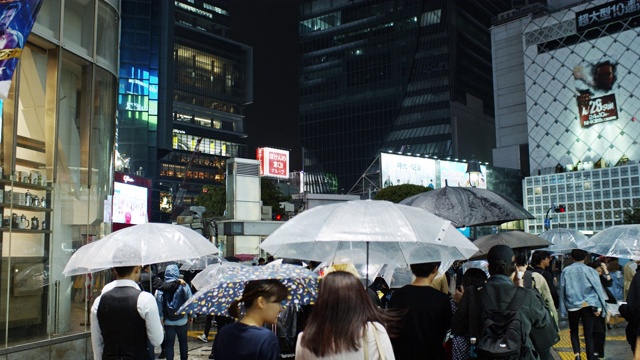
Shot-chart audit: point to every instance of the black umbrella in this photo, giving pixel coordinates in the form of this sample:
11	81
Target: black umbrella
467	206
513	239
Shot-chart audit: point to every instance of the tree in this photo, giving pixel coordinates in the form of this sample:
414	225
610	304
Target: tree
272	196
631	216
214	200
397	193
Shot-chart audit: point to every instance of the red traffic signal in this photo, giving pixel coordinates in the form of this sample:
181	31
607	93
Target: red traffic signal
278	217
560	209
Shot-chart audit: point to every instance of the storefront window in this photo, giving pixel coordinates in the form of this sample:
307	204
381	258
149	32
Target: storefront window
78	25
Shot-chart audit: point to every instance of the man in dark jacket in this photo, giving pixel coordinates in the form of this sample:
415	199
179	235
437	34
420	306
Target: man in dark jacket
467	321
540	261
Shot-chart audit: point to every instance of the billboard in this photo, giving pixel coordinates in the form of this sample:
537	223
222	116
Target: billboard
581	91
16	21
273	162
130	200
455	174
402	169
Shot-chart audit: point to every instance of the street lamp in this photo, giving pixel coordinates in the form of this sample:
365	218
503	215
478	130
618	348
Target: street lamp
474	171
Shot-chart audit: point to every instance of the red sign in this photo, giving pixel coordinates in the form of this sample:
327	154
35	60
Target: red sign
597	110
273	162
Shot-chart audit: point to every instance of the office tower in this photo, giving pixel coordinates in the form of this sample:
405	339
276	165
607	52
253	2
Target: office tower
408	77
183	88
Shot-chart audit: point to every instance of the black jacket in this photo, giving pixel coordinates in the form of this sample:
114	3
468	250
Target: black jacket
631	310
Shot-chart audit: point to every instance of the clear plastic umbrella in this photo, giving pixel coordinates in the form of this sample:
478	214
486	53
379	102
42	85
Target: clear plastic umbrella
201	262
212	273
563	240
619	241
465	206
141	244
368	232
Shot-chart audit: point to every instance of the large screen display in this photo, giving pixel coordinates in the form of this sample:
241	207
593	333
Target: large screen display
129	203
402	169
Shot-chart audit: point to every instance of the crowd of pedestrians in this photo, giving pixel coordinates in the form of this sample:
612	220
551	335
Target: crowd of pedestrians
512	311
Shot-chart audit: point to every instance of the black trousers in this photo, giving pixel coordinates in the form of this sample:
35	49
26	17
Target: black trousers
587	317
599	335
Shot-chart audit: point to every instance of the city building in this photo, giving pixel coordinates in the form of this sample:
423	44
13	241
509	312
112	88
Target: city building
183	87
410	77
58	128
565	81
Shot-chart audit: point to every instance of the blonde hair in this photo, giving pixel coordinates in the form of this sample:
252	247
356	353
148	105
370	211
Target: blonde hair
349	267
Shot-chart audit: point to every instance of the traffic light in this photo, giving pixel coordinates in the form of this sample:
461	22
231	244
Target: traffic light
278	217
559	209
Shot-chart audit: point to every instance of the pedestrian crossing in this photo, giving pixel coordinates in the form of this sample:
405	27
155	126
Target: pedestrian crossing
564	350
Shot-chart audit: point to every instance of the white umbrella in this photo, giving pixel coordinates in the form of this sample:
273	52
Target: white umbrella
212	273
563	240
141	244
369	232
619	241
201	262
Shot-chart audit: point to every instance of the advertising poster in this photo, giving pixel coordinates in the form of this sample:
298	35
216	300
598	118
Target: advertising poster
455	174
273	162
16	21
594	82
401	169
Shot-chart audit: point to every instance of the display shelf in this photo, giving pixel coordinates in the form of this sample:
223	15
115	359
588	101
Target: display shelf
31	144
25	231
30	164
24	185
25	208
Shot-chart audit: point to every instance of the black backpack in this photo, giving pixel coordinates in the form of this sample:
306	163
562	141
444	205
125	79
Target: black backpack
171	303
502	335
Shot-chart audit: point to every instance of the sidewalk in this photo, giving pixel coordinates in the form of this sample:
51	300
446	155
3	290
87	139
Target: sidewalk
616	346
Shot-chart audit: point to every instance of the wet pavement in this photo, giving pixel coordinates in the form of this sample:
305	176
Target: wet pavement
616	346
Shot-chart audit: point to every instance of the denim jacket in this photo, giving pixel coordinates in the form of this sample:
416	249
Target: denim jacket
580	287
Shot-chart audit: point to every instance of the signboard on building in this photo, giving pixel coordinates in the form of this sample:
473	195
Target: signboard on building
606	13
455	174
596	110
402	169
273	162
16	21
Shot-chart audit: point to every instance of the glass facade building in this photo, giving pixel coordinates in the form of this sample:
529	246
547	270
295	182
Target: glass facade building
408	77
183	88
57	143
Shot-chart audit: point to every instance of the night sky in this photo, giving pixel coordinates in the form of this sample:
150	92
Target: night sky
270	27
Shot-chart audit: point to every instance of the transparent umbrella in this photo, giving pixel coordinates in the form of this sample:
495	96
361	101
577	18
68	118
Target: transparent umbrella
563	240
619	241
201	262
465	206
368	232
141	244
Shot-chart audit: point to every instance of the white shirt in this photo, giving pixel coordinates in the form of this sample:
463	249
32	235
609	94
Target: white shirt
147	309
303	353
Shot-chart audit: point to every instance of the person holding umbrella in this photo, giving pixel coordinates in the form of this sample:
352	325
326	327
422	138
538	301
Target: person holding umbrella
123	317
248	338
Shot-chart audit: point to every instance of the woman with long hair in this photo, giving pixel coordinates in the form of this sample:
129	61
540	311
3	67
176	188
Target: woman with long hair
345	324
248	338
